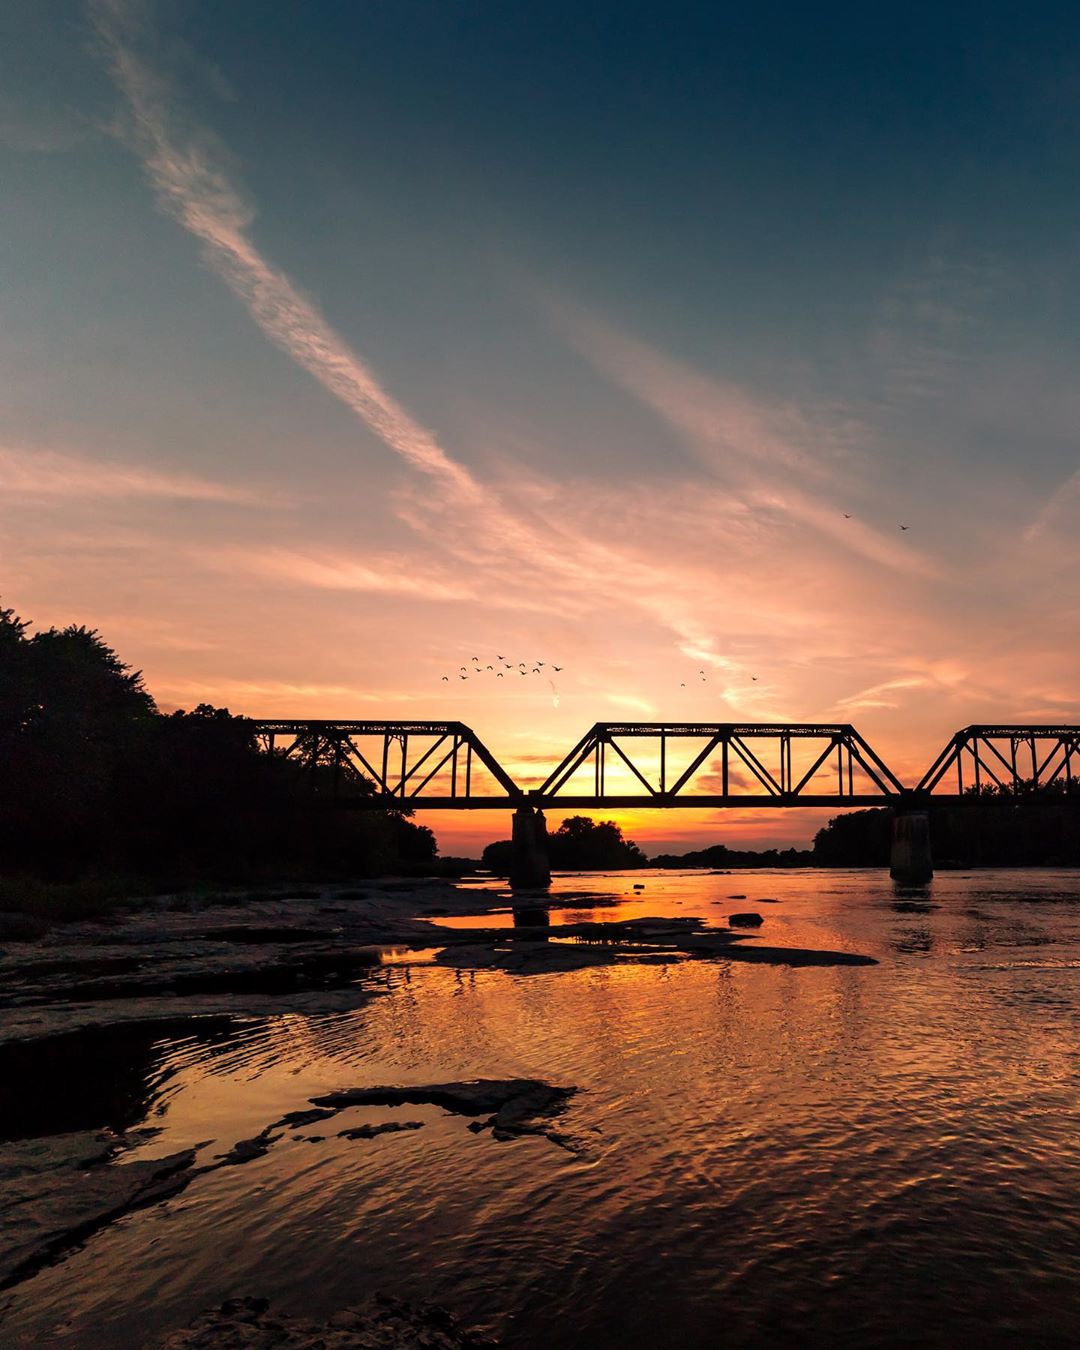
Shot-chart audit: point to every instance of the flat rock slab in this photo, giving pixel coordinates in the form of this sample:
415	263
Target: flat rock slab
60	1190
514	1106
380	1323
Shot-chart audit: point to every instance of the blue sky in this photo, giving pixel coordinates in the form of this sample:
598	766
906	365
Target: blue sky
340	338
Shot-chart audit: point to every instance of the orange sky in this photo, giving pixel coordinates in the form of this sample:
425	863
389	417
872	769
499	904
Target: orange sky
304	459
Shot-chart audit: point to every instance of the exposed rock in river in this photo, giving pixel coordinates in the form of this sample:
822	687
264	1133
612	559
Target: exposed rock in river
514	1106
636	941
384	1127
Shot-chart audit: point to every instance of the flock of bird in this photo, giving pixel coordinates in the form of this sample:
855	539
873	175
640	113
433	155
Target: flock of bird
519	668
523	668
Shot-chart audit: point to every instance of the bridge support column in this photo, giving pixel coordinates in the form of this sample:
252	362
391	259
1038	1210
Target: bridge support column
529	866
910	862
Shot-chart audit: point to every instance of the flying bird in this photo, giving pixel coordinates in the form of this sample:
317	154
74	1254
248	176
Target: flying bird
499	675
463	677
846	516
754	678
904	527
556	667
683	685
499	658
445	678
489	667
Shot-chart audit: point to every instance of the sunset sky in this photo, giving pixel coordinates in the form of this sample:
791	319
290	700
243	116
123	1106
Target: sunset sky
342	342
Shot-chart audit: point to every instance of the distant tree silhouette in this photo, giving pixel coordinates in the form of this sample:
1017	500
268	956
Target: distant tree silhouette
94	779
994	827
856	839
719	855
579	844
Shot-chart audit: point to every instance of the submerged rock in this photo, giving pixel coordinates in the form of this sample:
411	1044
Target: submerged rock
384	1127
514	1106
58	1191
245	1150
380	1323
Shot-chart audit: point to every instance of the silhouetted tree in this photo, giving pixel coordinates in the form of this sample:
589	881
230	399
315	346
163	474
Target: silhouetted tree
94	778
583	844
719	855
994	827
580	844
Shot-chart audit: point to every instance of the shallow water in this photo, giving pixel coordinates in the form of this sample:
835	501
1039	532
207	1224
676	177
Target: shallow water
845	1156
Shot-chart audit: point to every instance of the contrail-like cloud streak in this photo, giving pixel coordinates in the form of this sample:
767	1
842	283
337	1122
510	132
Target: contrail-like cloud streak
196	192
534	545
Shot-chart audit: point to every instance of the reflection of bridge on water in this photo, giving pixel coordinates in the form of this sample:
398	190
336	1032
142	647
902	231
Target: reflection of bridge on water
620	765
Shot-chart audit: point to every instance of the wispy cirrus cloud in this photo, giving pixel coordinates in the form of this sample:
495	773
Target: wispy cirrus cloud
533	528
196	190
1060	514
42	474
777	458
391	574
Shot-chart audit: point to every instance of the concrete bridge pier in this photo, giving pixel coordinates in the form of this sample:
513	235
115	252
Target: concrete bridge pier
910	862
529	866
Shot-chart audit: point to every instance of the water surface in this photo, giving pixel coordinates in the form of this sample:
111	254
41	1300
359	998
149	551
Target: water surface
847	1156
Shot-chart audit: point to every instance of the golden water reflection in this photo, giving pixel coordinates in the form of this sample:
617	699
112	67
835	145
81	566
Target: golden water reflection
840	1155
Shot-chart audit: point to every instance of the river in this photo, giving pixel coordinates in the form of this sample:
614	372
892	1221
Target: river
847	1156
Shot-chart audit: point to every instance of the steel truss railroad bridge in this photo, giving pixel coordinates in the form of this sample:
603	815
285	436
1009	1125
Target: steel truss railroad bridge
446	766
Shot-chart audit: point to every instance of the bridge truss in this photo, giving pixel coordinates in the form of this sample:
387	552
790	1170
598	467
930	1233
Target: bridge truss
436	765
446	766
719	764
1014	760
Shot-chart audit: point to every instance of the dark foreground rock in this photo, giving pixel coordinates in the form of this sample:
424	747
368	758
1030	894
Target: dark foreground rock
747	919
380	1323
59	1191
514	1106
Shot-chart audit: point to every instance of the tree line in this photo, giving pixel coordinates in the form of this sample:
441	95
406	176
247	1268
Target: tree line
96	780
995	827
